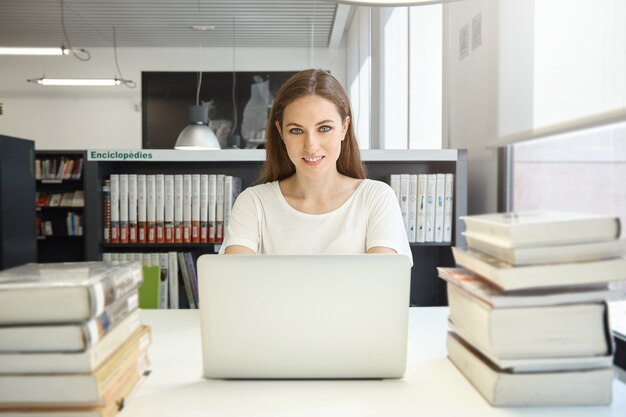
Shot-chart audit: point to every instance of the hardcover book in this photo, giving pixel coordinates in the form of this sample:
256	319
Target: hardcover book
541	228
63	292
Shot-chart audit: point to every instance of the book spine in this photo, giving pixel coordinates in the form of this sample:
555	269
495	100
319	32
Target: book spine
186	282
187	208
421	208
178	208
193	276
169	208
412	214
132	208
219	211
195	208
115	208
96	328
173	279
123	208
404	200
106	211
165	280
212	207
141	208
204	208
448	208
159	216
439	209
151	208
431	191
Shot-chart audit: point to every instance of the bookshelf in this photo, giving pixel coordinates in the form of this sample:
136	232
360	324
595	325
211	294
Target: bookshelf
426	288
61	205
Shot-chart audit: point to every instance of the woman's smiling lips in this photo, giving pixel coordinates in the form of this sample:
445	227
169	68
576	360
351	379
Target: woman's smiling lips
312	160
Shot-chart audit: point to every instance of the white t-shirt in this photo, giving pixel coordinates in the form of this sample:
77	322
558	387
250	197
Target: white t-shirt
263	221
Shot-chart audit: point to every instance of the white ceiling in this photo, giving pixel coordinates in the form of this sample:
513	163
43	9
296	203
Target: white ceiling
156	23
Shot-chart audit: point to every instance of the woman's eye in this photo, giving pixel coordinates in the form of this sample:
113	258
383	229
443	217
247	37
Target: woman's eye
295	131
325	128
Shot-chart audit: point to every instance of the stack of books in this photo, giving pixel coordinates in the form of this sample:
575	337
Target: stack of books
529	307
71	339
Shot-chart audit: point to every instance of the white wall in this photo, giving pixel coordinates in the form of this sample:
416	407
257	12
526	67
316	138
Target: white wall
110	117
472	116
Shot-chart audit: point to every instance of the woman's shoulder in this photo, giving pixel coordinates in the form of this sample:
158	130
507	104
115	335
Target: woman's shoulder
261	189
375	187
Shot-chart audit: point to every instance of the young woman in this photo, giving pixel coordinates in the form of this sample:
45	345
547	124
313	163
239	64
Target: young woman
313	197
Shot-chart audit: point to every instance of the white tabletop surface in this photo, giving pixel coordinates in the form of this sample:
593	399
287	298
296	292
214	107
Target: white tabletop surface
432	386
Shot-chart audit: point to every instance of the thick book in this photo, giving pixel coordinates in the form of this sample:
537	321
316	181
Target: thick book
448	206
184	273
543	331
187	196
541	228
440	192
63	292
132	208
502	388
151	208
169	208
77	389
159	208
73	362
142	210
195	208
66	337
123	179
536	255
114	194
510	277
116	399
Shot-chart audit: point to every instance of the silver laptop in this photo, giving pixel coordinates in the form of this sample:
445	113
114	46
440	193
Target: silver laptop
304	316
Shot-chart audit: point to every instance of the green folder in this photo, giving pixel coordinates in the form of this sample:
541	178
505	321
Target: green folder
150	290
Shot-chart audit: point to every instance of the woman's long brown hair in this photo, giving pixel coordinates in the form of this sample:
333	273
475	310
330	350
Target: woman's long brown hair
307	83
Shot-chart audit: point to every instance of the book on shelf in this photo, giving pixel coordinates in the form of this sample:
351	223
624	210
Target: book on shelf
132	208
178	208
531	331
142	209
173	279
219	211
541	228
74	362
195	208
212	208
164	265
66	337
187	208
232	189
431	195
159	208
420	226
54	292
448	208
404	200
510	277
184	272
67	199
412	214
149	292
55	200
204	208
92	388
534	255
123	179
440	189
106	211
150	209
552	388
115	208
78	199
169	208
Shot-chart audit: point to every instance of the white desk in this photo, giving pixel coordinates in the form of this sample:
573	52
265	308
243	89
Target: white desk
432	386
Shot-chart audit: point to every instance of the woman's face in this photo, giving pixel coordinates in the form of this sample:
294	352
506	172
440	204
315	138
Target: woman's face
312	131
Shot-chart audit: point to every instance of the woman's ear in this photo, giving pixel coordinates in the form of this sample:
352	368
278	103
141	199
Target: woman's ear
344	126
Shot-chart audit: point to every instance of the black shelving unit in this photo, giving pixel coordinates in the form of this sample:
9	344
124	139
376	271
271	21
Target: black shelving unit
17	202
61	245
426	288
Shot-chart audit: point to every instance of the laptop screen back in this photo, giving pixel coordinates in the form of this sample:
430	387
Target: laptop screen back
304	316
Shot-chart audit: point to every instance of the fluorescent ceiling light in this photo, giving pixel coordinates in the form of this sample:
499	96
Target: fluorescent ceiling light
98	82
391	3
33	51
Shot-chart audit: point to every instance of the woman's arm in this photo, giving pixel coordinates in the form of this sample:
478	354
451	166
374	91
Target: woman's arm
238	250
380	249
